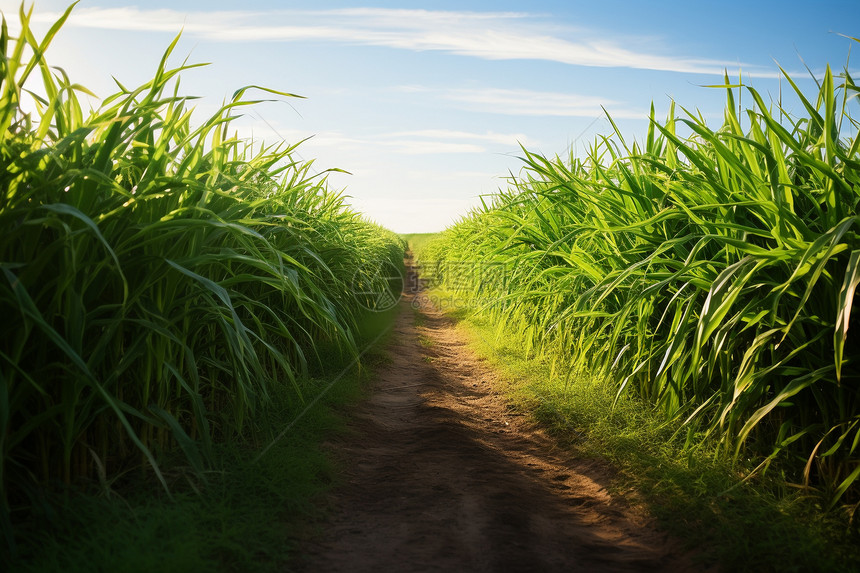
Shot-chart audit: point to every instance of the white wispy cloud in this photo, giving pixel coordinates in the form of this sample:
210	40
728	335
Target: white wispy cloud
506	139
413	147
419	142
528	103
490	35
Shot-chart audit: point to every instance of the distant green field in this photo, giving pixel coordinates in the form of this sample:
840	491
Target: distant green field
416	241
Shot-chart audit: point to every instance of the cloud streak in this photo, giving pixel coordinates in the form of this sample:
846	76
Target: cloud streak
484	35
523	102
490	137
420	142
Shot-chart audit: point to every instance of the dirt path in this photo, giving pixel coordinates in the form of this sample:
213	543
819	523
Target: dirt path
443	477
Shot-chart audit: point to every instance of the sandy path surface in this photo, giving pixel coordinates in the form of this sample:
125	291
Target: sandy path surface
442	476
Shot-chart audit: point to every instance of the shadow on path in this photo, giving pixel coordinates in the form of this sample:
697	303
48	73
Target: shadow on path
441	476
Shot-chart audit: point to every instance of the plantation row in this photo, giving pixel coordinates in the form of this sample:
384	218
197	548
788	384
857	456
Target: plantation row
161	283
713	275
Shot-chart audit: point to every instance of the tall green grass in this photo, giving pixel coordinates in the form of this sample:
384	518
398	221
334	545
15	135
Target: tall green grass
159	280
713	274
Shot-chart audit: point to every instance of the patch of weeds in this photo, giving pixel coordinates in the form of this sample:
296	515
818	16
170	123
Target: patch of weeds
426	341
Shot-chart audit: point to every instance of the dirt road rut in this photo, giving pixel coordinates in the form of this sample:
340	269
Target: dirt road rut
442	476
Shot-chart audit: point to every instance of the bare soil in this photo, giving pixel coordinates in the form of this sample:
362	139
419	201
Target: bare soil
442	475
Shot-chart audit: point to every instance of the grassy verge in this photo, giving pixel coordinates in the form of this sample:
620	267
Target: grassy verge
245	518
753	525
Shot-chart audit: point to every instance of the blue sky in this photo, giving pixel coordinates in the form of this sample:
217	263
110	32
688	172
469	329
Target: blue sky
426	103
